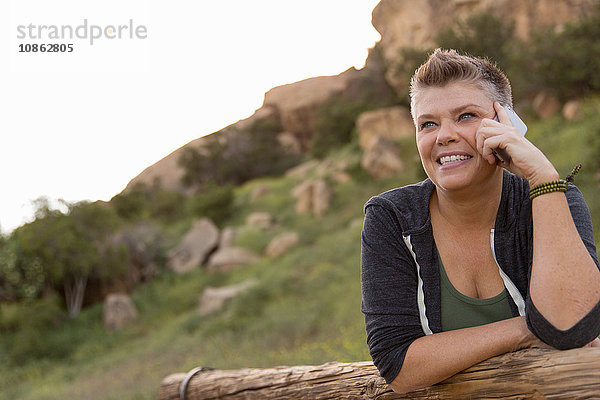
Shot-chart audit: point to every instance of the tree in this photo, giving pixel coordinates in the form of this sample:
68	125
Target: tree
72	247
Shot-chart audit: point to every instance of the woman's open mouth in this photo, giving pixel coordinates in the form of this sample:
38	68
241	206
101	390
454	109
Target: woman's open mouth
448	160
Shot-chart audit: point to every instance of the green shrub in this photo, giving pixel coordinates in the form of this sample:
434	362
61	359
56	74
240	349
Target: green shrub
214	202
335	122
568	61
21	277
409	59
35	320
167	205
132	204
143	201
241	156
253	238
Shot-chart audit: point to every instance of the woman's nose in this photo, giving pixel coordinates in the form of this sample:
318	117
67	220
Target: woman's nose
446	134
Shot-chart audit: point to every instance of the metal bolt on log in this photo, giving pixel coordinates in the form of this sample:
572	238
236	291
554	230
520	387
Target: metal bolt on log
526	374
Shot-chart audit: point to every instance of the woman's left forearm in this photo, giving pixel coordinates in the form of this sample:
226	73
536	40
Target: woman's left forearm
565	282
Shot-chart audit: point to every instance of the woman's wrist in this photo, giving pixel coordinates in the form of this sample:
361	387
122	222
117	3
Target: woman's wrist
525	338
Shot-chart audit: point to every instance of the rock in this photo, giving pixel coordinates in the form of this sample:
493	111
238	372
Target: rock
260	219
226	259
259	192
303	192
313	196
321	197
572	110
281	244
381	159
390	123
195	247
545	105
289	143
213	299
118	311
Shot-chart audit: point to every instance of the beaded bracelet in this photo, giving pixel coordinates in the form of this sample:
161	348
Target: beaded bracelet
548	187
553	186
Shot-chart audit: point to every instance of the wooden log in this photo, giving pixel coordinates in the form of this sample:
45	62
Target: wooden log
526	374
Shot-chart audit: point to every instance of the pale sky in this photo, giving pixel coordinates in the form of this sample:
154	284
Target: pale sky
81	125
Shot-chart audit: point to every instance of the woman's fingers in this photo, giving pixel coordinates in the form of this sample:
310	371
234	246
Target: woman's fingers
486	147
502	114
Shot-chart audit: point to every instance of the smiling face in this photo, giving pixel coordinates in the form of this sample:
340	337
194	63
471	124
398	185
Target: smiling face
447	119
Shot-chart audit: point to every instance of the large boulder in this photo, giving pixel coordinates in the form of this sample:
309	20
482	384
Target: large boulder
313	196
390	123
303	194
214	299
226	259
195	247
118	311
280	244
381	159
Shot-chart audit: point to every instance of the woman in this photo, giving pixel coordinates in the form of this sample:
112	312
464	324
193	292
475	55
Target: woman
464	265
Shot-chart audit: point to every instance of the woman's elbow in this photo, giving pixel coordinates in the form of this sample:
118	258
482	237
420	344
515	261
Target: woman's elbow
577	334
401	386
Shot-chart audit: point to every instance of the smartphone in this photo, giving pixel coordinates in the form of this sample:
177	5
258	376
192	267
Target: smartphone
518	123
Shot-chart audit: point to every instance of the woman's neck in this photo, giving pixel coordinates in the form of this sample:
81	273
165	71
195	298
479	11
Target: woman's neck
472	207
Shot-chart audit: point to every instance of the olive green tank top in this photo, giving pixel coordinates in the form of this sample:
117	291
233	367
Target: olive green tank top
460	311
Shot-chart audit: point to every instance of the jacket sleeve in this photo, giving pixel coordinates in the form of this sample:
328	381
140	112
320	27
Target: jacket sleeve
389	290
588	328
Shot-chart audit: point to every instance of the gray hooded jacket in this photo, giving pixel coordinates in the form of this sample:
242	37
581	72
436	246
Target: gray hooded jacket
401	278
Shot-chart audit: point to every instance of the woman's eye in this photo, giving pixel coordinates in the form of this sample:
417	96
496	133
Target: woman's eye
465	116
426	125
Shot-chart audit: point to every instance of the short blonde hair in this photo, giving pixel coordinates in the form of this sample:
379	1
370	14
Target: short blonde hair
447	66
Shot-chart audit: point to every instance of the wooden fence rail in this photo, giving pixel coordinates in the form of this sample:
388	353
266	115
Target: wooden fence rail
526	374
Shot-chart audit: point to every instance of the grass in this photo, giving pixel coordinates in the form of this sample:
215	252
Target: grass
305	308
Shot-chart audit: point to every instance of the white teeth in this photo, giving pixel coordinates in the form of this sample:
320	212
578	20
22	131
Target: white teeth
450	159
